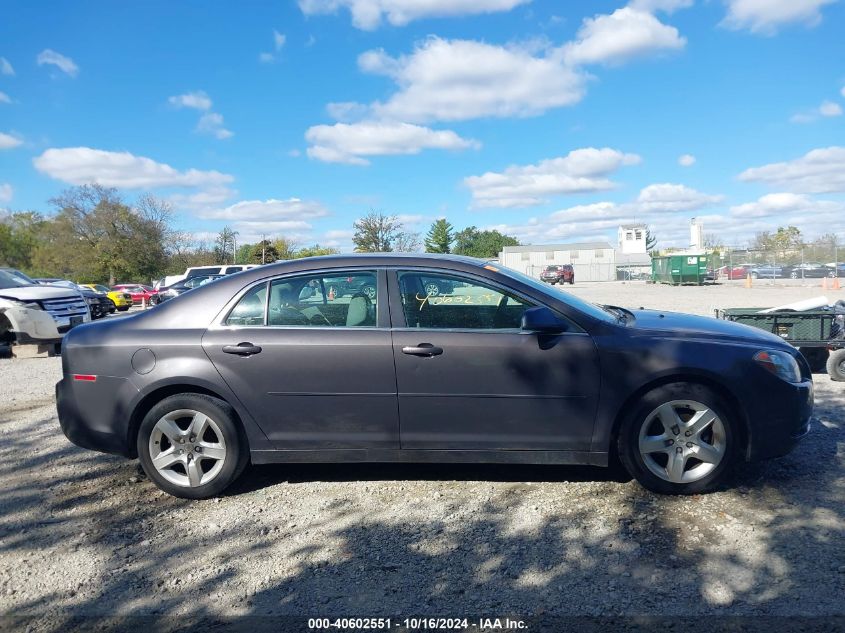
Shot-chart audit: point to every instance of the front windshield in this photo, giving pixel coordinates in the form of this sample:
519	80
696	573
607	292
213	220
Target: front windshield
8	280
597	312
16	274
101	288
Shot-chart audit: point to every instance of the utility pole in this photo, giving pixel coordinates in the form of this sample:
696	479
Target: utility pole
263	247
234	249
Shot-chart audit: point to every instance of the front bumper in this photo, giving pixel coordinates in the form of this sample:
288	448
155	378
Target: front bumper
94	415
30	325
780	421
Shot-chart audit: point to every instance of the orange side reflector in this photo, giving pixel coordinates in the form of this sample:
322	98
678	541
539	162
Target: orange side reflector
85	377
493	268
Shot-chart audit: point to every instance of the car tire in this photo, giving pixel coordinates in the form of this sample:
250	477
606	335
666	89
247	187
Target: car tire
432	289
683	472
793	275
836	365
755	275
124	308
112	307
369	291
572	281
181	416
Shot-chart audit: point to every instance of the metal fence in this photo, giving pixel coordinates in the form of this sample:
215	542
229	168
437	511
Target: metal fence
595	271
803	264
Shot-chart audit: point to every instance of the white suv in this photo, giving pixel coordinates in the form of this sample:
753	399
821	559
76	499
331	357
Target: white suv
32	313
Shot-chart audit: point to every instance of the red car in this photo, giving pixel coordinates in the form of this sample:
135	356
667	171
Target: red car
734	272
139	293
558	274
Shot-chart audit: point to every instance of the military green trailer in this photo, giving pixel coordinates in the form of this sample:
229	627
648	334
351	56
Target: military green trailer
681	269
818	334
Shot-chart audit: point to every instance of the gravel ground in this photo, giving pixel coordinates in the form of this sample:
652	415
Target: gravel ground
86	534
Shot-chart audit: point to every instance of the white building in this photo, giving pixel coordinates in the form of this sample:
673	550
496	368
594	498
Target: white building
592	261
632	238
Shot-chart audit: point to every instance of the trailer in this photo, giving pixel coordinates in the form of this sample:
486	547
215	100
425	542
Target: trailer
818	334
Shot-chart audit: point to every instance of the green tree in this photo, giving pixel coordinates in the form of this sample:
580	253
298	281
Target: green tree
285	247
96	235
440	237
650	239
264	252
407	242
376	232
484	244
784	244
19	234
315	251
224	245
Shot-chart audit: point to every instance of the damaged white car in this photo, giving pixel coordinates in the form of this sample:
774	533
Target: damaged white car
32	313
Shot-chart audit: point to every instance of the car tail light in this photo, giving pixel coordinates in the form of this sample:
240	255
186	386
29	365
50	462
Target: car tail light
85	377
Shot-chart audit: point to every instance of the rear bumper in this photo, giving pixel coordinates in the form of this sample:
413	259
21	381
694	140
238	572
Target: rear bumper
92	414
780	421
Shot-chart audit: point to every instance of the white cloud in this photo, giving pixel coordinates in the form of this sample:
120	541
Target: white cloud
346	111
765	17
4	98
620	36
830	108
686	160
775	204
266	58
350	143
84	165
279	39
272	210
818	171
6	67
667	197
8	141
842	92
197	100
368	14
826	109
453	80
580	171
212	123
51	57
668	6
6	193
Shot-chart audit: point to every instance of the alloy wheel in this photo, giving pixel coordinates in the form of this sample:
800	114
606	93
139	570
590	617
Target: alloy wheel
187	448
682	441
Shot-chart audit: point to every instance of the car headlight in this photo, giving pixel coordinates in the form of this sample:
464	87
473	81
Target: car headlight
32	305
92	301
781	364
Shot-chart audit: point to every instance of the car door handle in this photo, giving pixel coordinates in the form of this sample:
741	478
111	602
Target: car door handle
242	349
423	349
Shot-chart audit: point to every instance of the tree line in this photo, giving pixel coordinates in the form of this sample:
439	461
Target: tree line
96	235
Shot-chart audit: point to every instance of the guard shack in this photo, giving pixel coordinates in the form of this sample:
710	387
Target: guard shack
680	269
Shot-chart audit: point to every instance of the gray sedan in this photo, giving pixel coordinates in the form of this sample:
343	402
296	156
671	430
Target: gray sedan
281	364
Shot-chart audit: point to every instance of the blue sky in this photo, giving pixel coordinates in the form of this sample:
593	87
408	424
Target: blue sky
552	121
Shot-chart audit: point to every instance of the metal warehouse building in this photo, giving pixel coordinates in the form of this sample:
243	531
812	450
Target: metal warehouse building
592	261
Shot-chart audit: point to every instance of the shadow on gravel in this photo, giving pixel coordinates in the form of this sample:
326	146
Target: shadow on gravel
769	546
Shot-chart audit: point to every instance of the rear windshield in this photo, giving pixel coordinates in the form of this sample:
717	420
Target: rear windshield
552	267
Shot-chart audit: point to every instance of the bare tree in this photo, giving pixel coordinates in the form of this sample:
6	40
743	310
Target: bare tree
376	232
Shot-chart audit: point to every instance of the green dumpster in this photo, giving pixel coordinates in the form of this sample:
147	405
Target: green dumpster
680	269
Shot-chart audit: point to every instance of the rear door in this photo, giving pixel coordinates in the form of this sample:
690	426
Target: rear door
469	379
315	365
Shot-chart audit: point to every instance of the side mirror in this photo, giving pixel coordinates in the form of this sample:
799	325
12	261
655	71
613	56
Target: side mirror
542	320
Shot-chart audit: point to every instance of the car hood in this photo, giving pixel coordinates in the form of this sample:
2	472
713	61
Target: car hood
676	324
37	293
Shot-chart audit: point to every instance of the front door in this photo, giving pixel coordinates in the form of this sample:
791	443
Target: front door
469	379
310	358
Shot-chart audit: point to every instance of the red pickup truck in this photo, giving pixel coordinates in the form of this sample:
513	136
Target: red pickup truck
558	274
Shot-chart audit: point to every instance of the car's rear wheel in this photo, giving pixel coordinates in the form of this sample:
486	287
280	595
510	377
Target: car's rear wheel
836	365
190	446
432	289
679	439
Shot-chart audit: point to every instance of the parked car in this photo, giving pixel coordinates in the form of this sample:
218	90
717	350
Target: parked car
33	313
810	270
138	292
98	303
767	271
177	289
121	301
503	370
740	271
202	271
558	274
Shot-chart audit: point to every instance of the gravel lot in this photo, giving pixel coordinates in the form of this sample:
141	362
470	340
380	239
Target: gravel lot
86	534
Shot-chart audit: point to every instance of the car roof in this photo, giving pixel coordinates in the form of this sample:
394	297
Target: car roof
380	259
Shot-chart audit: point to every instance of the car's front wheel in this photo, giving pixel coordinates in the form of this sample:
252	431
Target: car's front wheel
836	365
190	446
679	439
